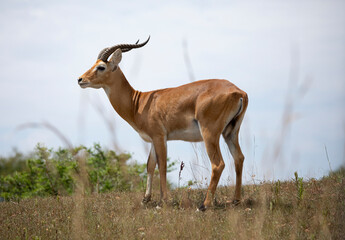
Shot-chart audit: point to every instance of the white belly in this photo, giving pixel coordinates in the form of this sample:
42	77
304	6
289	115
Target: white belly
144	136
190	134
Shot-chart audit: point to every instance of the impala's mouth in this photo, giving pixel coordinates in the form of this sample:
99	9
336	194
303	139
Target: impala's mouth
83	84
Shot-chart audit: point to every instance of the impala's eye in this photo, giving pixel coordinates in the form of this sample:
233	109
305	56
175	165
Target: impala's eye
100	68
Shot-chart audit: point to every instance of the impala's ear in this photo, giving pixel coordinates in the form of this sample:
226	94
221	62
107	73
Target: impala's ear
115	59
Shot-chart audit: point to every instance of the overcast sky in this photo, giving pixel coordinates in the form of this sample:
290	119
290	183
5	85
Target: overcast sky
284	54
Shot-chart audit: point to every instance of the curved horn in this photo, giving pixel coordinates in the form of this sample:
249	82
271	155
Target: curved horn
106	52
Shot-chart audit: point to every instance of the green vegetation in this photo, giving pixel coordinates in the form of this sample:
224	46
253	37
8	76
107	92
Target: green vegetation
46	172
299	187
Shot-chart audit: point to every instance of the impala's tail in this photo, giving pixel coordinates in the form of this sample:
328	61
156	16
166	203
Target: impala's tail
235	122
240	109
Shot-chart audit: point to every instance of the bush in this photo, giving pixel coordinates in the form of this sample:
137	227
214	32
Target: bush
51	173
12	164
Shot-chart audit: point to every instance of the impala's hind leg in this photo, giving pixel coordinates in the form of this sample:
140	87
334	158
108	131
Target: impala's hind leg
212	146
230	135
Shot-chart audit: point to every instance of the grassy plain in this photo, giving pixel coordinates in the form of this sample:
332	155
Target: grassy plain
296	209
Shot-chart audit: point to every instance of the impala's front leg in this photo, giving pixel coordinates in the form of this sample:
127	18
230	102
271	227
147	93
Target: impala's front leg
151	165
160	147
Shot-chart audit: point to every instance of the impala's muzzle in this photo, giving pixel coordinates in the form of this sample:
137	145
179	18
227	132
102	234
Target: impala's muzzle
82	84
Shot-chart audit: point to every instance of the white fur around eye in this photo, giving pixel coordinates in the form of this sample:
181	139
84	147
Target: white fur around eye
100	68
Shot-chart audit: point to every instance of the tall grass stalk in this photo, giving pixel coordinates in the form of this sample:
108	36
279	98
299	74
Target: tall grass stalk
299	188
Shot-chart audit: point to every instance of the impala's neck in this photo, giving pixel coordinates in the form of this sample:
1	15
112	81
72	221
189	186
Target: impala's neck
121	95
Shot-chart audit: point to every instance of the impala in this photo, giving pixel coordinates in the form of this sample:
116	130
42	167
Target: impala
199	111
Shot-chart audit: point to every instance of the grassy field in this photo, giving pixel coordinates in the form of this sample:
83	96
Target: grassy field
297	209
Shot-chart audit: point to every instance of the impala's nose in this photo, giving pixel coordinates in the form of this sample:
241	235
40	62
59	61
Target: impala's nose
79	80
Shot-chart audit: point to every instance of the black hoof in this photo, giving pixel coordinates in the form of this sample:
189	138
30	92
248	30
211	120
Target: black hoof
146	200
202	208
162	203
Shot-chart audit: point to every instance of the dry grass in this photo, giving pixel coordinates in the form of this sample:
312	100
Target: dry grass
268	211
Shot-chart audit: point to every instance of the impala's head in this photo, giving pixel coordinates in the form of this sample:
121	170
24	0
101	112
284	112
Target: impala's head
98	75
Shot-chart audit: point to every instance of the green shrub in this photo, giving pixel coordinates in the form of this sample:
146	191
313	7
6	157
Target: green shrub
51	173
10	165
